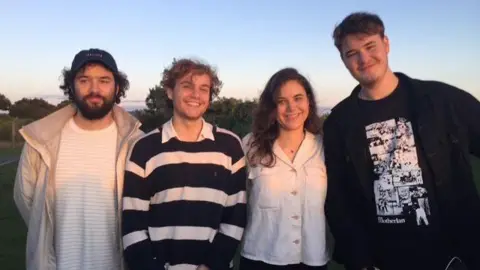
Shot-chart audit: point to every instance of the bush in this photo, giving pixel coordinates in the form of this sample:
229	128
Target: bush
6	128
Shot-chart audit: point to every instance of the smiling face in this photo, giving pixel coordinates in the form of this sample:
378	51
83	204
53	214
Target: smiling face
191	96
292	106
94	91
366	57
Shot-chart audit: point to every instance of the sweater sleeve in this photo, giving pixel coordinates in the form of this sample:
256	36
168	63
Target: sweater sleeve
467	110
137	189
227	240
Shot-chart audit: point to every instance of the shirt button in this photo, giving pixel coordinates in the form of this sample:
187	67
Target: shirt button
294	192
296	242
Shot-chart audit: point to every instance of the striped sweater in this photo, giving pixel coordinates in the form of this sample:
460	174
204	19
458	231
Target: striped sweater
184	203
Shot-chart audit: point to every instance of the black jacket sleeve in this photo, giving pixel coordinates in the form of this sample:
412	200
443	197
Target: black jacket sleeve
467	110
351	238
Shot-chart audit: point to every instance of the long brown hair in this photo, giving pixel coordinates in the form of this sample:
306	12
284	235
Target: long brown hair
265	128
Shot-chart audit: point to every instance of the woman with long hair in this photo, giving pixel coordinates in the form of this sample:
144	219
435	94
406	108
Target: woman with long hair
287	179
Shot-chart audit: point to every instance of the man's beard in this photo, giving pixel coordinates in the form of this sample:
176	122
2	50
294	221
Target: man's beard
94	112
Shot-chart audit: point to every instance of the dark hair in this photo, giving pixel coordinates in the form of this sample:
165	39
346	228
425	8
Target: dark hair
358	23
121	81
179	68
265	128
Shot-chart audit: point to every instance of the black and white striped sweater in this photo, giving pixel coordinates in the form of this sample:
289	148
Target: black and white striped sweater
184	203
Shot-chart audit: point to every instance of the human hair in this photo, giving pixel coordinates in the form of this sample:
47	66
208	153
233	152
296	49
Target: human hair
265	128
120	78
358	23
182	67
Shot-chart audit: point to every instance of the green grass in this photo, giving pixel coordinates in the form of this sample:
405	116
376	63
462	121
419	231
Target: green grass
13	230
8	152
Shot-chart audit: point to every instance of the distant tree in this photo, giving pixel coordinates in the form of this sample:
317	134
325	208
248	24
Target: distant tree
5	103
232	114
229	113
221	112
34	109
243	117
63	104
156	101
157	111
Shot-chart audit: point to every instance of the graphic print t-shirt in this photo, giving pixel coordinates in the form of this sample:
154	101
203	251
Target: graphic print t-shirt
402	184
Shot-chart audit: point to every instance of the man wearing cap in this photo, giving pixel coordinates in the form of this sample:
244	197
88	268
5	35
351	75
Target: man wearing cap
70	175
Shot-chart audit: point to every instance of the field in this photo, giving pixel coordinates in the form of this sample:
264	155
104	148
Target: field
13	230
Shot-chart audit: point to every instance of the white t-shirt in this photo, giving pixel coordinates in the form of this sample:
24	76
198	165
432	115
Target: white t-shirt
85	202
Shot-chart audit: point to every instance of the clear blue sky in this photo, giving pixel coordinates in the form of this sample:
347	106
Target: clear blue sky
246	40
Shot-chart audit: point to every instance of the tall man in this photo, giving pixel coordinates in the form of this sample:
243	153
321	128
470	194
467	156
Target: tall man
70	175
184	205
401	193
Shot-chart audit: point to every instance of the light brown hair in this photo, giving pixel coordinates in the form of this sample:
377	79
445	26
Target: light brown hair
182	67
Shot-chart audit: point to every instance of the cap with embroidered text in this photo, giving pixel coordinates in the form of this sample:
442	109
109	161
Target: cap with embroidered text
94	55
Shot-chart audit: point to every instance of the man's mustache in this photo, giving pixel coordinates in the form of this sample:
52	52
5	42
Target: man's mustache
93	96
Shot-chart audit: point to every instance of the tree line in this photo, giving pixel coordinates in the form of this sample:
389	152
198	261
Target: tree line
226	112
230	113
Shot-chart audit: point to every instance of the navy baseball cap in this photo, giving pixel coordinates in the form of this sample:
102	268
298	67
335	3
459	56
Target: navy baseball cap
94	55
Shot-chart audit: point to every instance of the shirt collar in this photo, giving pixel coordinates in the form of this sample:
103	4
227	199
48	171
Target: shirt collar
168	131
307	149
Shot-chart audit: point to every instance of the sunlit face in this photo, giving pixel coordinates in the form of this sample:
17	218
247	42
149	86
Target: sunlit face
94	91
292	106
366	57
191	96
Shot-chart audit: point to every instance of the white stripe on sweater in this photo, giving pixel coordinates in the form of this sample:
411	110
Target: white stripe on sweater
177	157
185	194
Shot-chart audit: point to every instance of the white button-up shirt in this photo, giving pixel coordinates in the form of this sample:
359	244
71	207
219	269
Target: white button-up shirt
286	220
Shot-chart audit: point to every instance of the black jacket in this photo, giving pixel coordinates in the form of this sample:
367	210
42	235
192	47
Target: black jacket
447	121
